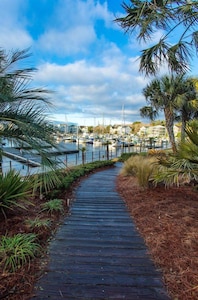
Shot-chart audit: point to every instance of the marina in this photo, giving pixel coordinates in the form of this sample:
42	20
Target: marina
68	153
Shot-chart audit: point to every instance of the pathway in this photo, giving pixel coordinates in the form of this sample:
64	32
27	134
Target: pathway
97	253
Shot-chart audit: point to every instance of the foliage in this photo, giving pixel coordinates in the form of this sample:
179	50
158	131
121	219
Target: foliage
17	250
157	153
53	206
23	108
14	190
38	223
175	171
125	156
174	95
143	168
67	176
182	167
46	181
173	18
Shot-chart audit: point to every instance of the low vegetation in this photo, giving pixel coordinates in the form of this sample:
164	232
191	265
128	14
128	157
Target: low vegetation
17	250
53	206
143	168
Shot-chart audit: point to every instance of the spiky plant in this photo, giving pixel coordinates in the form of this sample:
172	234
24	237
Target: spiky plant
183	166
14	191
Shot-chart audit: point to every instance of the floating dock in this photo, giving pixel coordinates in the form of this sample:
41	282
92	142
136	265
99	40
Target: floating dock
33	159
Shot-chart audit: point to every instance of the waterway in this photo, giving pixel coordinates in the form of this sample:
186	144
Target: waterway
91	153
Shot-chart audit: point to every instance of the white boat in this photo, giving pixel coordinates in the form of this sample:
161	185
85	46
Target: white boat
115	143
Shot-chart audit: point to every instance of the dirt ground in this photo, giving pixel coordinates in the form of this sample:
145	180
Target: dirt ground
166	218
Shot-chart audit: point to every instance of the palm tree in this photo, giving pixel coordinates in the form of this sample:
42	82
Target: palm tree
23	108
148	17
186	103
161	95
148	112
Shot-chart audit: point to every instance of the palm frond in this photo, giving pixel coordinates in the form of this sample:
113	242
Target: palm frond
152	58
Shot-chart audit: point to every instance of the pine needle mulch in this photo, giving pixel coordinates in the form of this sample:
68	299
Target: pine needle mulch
167	220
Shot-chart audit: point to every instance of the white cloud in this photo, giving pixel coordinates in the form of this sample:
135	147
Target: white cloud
90	72
74	40
13	34
17	39
74	31
96	88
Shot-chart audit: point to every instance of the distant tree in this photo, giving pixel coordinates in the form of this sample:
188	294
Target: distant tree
107	129
175	18
135	127
90	129
158	122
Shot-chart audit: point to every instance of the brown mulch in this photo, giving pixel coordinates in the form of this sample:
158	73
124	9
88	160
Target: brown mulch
167	220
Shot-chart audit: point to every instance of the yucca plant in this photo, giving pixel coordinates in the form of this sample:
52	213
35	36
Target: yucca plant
53	206
17	250
14	191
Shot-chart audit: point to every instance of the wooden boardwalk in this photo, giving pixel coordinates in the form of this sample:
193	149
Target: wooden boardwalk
97	252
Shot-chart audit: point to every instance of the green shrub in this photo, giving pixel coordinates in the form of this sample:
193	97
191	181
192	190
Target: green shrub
17	250
65	177
125	156
53	194
53	206
12	189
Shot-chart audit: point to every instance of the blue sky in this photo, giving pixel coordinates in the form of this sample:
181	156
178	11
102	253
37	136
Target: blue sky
81	54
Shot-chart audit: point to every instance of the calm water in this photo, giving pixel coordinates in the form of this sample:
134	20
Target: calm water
92	153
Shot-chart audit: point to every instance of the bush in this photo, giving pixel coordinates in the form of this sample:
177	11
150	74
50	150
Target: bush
125	156
17	250
141	167
53	206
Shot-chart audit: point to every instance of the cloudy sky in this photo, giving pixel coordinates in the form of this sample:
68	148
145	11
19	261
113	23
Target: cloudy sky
81	54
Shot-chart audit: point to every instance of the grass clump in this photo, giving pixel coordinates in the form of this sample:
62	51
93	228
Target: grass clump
53	206
18	250
143	168
38	223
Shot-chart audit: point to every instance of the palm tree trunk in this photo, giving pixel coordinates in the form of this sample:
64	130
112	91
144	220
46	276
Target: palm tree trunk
183	126
169	118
